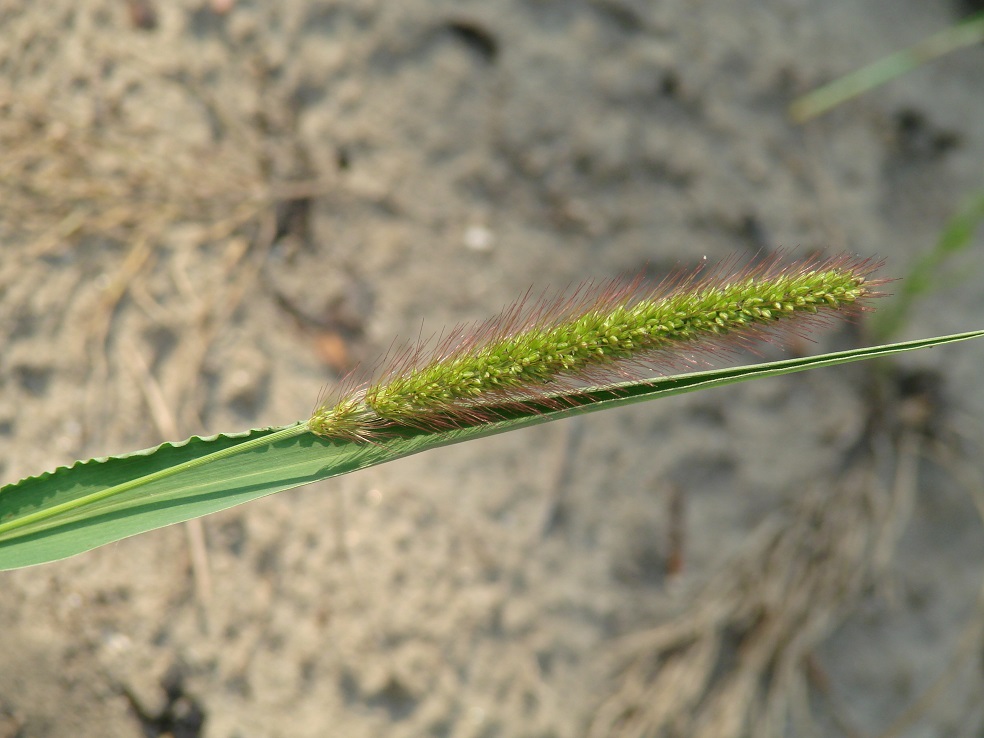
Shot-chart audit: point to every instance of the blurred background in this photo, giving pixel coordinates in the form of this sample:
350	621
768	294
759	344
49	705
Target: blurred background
210	210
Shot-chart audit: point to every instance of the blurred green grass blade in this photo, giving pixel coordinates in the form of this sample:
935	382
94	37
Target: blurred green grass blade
966	33
926	276
77	508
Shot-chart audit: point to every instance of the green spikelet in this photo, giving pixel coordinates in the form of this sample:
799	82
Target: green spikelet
595	336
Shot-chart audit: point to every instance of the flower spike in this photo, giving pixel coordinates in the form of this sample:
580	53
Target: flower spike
598	334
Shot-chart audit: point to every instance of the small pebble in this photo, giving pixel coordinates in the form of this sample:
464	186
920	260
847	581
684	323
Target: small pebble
478	238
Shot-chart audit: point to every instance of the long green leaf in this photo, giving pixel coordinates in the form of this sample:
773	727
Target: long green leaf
926	275
77	508
966	33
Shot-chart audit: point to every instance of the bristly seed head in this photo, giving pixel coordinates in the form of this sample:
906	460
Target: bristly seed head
597	335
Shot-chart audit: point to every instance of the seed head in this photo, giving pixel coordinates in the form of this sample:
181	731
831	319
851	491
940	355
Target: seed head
597	335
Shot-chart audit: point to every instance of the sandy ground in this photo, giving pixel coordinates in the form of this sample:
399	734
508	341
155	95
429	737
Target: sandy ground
209	212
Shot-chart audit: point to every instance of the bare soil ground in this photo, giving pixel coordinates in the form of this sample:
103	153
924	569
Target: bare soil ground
210	210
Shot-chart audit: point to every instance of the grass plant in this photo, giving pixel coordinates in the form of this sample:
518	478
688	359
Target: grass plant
538	361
